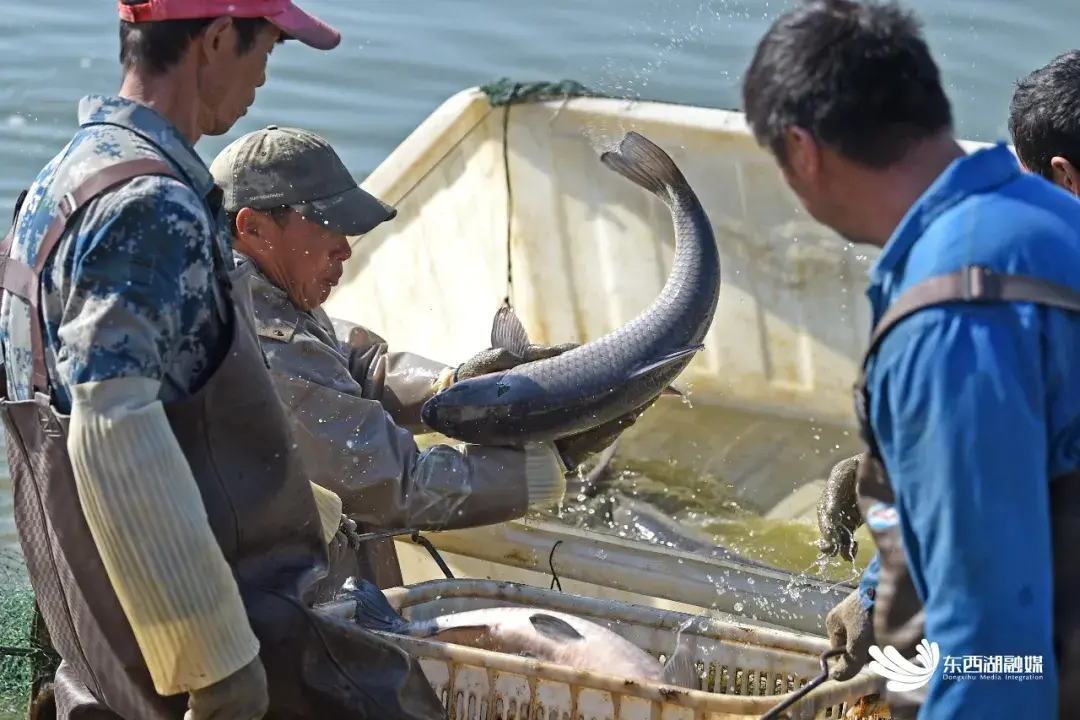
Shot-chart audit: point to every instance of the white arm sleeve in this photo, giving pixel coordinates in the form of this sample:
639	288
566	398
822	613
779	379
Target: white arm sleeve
150	527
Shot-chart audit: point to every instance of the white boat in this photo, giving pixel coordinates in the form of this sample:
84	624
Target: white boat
501	201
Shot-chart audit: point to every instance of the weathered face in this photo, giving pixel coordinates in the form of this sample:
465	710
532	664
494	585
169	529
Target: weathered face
228	80
306	258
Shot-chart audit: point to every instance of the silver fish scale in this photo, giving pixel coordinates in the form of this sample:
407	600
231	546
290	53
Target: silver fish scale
672	322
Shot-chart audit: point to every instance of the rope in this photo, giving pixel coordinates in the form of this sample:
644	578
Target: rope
551	566
505	91
509	197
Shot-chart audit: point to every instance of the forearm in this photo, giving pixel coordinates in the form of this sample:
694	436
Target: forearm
353	448
401	381
146	516
472	485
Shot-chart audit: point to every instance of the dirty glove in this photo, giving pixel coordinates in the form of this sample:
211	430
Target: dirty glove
850	626
576	449
499	359
838	511
240	696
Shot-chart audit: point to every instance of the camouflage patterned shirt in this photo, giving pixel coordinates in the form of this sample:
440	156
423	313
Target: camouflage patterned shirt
130	289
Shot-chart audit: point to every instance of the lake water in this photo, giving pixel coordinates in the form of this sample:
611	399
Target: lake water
400	58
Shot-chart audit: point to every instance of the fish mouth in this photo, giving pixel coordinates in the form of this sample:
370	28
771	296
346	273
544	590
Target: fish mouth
429	413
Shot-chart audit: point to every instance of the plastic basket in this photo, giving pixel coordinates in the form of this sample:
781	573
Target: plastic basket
744	670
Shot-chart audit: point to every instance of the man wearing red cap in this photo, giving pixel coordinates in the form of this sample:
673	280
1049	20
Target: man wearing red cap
168	526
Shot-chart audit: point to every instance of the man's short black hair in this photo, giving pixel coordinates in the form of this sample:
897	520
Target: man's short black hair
154	47
857	76
1044	116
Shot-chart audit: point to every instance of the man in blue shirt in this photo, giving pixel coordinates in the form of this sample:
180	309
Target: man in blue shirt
970	396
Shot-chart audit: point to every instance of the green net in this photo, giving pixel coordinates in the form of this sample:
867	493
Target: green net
25	654
510	92
16	617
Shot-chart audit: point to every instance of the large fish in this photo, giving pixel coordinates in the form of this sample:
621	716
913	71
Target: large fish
539	634
625	370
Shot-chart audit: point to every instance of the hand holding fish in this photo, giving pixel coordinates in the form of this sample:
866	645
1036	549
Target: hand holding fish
576	449
497	359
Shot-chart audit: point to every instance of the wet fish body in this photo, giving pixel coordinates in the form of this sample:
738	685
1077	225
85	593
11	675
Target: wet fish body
652	525
545	399
539	634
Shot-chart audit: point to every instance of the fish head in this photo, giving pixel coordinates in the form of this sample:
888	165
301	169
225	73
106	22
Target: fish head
471	409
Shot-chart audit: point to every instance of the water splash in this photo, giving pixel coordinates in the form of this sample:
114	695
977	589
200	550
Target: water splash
677	25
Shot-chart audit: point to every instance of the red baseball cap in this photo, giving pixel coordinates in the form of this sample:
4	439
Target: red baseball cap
290	19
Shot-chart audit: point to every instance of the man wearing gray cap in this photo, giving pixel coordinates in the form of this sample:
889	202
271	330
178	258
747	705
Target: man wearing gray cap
354	404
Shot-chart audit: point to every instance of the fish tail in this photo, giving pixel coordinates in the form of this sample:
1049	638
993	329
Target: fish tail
644	163
373	610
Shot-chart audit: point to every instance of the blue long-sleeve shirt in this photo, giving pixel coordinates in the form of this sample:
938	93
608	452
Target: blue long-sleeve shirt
975	408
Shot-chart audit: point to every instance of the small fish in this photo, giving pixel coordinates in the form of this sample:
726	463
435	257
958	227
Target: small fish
538	634
545	397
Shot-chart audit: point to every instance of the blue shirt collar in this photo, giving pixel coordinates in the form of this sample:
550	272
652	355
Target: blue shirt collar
975	173
144	121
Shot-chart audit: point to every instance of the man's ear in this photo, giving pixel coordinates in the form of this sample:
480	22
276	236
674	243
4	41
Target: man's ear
803	154
250	234
218	37
1065	174
247	222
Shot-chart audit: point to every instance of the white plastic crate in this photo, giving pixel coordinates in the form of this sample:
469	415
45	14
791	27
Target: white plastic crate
743	669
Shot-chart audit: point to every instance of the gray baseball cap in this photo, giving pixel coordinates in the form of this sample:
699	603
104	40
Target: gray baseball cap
287	166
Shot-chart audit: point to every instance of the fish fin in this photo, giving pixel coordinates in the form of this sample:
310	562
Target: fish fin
508	333
672	390
667	360
373	610
554	628
644	163
680	668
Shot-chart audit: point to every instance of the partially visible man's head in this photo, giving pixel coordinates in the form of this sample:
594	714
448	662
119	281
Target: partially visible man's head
292	204
837	88
222	44
1044	121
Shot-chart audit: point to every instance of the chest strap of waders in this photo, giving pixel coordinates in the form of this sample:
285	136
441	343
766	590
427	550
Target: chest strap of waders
970	284
24	281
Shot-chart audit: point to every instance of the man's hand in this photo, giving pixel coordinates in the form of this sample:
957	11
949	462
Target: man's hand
241	696
850	626
838	511
576	449
498	359
347	532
